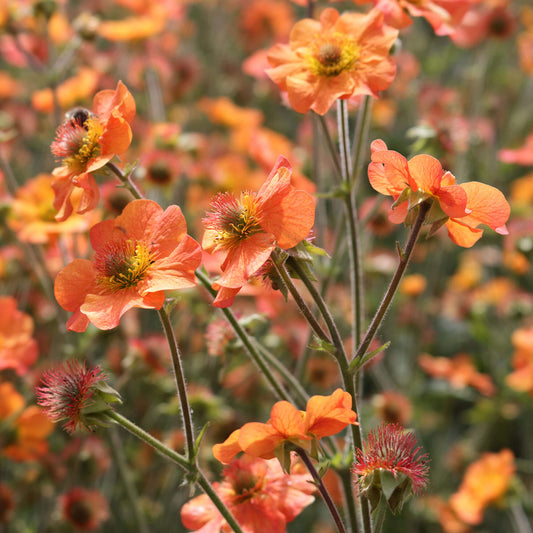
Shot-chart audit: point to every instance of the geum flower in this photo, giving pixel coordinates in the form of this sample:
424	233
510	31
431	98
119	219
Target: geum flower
86	142
139	255
461	207
259	495
246	230
340	56
324	416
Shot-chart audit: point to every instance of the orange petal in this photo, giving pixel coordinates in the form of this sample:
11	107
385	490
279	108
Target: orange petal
426	173
287	420
461	234
488	206
259	440
227	450
327	415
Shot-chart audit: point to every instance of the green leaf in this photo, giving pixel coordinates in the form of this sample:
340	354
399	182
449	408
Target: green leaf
356	364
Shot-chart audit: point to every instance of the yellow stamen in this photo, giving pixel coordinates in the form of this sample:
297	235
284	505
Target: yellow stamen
330	55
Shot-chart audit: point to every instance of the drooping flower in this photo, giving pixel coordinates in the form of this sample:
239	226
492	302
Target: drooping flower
18	349
86	142
85	509
257	492
324	416
461	207
75	394
139	255
390	456
246	230
485	482
340	56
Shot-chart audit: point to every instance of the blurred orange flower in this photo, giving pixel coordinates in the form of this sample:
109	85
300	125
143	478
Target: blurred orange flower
68	93
340	56
443	15
462	208
138	256
87	142
32	214
32	429
324	416
246	230
485	482
18	349
85	509
521	378
459	371
257	492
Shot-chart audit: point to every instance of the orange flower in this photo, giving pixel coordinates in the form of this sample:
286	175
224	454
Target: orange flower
85	509
246	230
32	214
336	57
461	207
88	141
257	492
69	93
522	377
485	482
459	371
18	350
519	156
32	429
443	15
324	416
138	256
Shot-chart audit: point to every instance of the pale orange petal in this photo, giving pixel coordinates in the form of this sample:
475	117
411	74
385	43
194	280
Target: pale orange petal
228	449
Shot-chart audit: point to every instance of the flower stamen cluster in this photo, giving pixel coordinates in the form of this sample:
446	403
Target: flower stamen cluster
333	54
122	264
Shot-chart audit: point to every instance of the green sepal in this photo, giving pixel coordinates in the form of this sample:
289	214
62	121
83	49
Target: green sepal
322	346
314	250
356	364
396	490
283	455
198	441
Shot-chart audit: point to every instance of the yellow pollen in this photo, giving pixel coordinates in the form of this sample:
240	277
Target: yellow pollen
333	54
89	146
242	224
123	264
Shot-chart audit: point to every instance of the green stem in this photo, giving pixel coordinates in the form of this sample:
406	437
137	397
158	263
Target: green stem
363	118
180	383
336	339
331	146
322	489
405	255
126	180
180	460
519	520
279	265
132	495
348	380
248	344
347	484
356	270
284	372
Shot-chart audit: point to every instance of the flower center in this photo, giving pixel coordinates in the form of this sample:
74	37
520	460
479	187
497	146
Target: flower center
234	220
122	264
246	485
76	142
330	55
